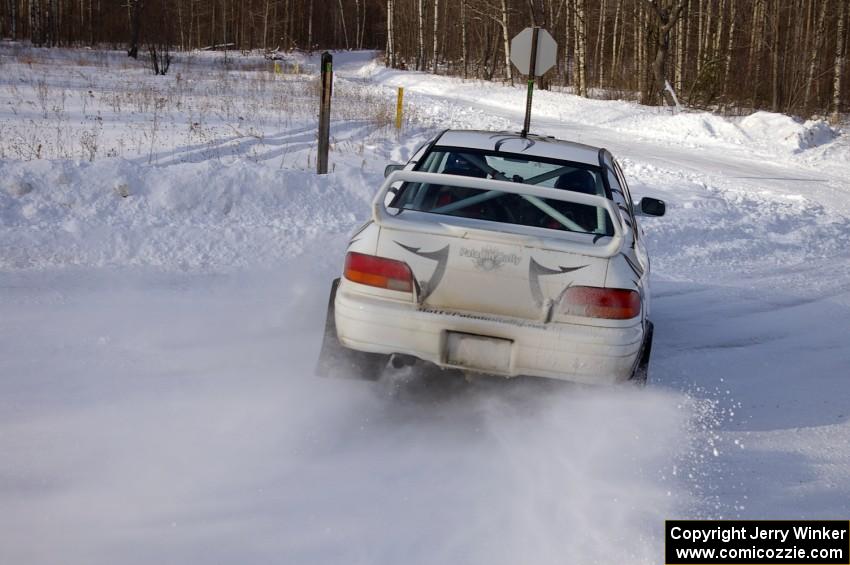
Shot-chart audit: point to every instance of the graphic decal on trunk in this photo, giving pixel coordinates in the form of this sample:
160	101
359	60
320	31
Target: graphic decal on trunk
441	256
536	270
489	258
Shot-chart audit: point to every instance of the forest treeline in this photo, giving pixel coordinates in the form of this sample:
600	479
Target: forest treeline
725	55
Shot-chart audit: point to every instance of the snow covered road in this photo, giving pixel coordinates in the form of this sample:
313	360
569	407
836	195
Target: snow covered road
152	418
157	403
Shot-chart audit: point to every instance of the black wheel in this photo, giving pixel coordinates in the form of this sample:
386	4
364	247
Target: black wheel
640	376
338	361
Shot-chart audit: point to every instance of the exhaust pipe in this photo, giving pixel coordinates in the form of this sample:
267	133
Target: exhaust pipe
399	360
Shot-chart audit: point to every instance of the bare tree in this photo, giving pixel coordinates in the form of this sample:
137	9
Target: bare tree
357	18
756	46
50	23
721	25
700	34
464	43
666	14
342	20
436	29
420	46
774	57
730	44
640	49
135	10
12	6
160	58
310	26
814	50
599	50
838	72
615	53
266	25
682	33
390	52
362	26
160	37
580	46
506	41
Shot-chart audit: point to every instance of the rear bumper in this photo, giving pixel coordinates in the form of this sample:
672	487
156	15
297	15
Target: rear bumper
586	354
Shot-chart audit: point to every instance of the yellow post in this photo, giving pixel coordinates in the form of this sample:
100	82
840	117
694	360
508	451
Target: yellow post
277	70
399	107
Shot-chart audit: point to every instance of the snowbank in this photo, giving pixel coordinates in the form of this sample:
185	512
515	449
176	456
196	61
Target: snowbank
206	215
781	131
762	133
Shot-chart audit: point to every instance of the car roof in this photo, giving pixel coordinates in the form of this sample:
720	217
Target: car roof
512	142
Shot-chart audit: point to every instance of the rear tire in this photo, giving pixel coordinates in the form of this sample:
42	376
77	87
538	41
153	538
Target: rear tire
640	376
338	361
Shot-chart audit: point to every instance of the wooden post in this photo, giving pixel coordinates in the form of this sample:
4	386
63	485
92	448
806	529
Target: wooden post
531	73
399	108
325	113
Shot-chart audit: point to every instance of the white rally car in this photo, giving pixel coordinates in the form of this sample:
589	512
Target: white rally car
499	254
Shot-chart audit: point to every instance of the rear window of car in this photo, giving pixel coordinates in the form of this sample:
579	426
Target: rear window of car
505	207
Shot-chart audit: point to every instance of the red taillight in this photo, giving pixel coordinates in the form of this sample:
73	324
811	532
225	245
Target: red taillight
378	271
610	303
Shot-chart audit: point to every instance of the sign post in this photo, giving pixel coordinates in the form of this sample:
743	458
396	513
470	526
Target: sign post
533	52
532	60
325	113
399	107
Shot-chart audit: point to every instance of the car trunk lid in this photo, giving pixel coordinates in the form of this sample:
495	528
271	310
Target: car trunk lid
490	276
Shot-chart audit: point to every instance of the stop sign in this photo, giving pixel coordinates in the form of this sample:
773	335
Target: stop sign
547	50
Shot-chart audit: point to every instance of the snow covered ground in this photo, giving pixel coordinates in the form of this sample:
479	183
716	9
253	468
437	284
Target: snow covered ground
165	261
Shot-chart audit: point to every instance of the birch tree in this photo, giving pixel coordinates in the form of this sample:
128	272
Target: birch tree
464	49
774	56
756	44
506	41
420	51
815	49
390	52
700	34
681	37
730	44
580	47
599	49
615	46
436	30
342	21
838	65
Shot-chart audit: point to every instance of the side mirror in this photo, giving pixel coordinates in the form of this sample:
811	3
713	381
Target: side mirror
390	169
651	207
